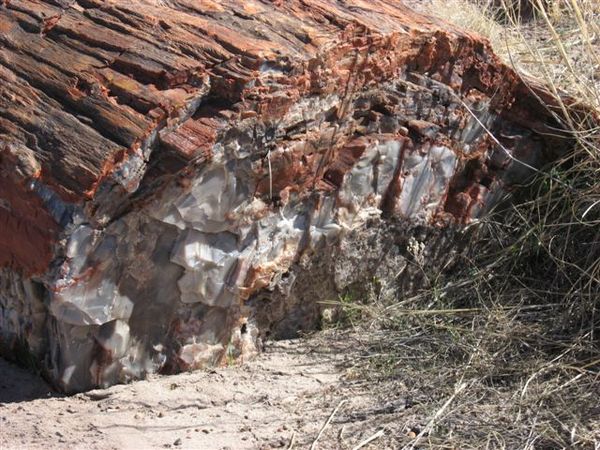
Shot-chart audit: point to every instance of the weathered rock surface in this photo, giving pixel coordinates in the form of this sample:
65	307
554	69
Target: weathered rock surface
179	179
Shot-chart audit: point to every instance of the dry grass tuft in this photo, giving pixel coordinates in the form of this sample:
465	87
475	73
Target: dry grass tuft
517	328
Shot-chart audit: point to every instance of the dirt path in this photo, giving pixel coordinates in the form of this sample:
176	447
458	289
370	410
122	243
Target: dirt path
285	395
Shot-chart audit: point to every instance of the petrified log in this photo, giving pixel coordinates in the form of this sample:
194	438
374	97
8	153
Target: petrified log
171	171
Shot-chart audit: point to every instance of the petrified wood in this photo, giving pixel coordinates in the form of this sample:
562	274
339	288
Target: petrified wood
172	171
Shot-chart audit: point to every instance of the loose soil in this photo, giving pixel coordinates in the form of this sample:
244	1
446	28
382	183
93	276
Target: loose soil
279	400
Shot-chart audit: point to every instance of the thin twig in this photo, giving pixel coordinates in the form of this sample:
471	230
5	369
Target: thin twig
270	176
314	444
292	441
369	440
439	412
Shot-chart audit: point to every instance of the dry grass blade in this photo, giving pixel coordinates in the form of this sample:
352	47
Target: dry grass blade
292	441
326	424
436	416
370	439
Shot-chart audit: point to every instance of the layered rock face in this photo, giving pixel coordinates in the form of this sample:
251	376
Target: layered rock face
179	179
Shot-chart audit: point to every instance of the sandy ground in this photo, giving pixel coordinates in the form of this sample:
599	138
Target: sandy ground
280	400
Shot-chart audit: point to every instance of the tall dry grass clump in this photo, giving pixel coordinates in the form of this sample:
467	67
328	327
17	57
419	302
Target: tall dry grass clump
505	351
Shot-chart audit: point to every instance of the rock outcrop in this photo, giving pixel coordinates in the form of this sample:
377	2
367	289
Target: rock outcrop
180	178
